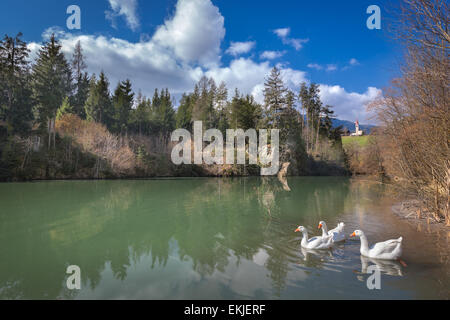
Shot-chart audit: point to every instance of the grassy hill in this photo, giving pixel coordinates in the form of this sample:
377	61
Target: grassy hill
361	141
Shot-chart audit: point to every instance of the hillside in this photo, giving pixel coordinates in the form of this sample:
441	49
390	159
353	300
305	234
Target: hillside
361	141
351	125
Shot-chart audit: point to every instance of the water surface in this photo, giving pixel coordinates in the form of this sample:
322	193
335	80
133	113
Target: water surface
207	239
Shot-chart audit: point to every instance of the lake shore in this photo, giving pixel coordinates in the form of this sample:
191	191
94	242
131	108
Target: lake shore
413	212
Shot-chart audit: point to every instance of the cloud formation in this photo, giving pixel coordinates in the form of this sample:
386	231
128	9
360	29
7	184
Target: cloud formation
331	67
188	46
237	48
283	34
194	33
353	62
125	8
349	105
271	55
315	66
328	67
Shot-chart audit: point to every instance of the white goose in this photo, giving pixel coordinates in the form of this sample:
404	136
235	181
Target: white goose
387	250
317	243
337	233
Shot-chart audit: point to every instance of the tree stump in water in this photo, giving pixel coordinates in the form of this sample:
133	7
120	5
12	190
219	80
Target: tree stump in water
282	176
283	171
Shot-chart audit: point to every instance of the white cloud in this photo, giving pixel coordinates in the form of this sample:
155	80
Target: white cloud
349	105
315	66
296	43
271	55
293	78
186	47
194	33
145	63
125	8
173	57
328	67
353	62
244	74
237	48
249	76
283	33
55	30
331	67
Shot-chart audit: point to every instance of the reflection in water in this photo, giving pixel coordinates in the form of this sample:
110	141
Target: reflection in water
284	182
392	268
311	256
178	238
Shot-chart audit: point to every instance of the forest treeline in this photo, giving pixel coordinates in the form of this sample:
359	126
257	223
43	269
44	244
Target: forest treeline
58	121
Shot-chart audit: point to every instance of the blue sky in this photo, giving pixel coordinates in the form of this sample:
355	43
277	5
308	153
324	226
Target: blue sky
171	43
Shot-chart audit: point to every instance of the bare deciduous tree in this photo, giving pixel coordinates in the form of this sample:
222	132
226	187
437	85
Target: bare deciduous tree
415	110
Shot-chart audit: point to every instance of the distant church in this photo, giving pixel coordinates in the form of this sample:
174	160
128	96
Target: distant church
358	132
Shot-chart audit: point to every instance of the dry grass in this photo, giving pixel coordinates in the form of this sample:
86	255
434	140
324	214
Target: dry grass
96	139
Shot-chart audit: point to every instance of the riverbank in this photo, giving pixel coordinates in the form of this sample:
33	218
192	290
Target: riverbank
414	213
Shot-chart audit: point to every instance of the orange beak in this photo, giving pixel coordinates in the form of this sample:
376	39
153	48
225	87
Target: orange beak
320	226
353	235
297	230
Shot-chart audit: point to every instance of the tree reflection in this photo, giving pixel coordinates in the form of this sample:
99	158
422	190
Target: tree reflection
117	223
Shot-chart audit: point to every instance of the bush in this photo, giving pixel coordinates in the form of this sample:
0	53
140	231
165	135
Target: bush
95	139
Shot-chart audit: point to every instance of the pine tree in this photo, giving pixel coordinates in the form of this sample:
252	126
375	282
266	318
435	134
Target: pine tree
98	104
203	109
327	116
333	133
141	115
165	113
221	105
184	112
246	112
65	108
78	100
122	103
78	64
52	82
15	85
291	132
311	104
92	100
274	97
290	120
155	100
234	109
221	96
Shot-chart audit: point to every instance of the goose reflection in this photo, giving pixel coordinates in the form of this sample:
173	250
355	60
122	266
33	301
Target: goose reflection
389	267
314	258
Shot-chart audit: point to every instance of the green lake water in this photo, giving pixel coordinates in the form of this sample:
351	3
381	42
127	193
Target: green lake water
207	239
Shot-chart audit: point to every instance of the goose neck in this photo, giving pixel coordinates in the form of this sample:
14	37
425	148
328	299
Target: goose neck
324	230
364	243
305	237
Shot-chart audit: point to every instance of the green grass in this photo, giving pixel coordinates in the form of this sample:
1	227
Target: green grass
361	141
